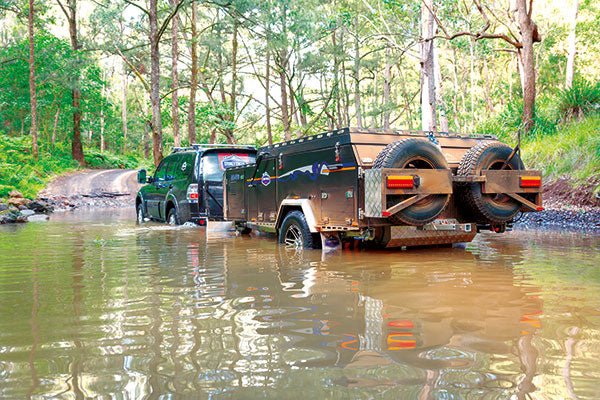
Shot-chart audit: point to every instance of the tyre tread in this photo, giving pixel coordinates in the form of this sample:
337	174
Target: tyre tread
470	165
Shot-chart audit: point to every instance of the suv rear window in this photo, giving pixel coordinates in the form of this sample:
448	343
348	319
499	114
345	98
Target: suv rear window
214	164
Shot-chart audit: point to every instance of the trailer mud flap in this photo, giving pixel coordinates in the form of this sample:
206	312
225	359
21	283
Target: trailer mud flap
413	184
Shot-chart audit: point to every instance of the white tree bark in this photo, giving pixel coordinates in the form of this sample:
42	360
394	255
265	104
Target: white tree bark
438	91
428	119
572	40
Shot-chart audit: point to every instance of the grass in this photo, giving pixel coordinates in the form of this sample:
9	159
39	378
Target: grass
19	171
573	151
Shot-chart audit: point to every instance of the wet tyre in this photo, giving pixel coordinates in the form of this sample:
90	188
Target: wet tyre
243	230
417	154
488	208
139	212
173	217
294	232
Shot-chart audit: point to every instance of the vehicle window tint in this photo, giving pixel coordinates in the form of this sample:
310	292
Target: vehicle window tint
185	167
161	171
214	164
174	163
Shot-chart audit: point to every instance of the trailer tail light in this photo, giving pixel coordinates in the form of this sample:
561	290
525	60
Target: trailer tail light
192	192
400	182
530	181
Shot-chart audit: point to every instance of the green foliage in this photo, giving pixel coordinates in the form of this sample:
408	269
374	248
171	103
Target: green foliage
506	125
580	100
574	151
96	159
18	169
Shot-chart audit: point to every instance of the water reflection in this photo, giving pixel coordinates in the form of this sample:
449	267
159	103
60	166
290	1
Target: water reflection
92	305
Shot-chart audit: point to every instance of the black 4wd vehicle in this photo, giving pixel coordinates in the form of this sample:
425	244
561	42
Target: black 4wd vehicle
188	184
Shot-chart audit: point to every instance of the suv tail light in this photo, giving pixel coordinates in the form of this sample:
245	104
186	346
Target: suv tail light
192	192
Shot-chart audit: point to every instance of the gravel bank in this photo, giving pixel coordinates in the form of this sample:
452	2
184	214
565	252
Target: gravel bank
581	219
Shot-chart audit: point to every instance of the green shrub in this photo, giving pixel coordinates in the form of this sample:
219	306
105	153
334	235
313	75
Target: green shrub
574	151
580	100
509	122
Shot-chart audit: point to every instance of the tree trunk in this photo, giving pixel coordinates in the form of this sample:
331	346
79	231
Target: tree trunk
102	118
387	81
336	81
194	78
55	127
572	40
124	108
285	119
233	97
175	77
76	146
428	117
375	99
32	89
155	83
472	81
268	96
489	104
344	83
439	99
357	75
527	27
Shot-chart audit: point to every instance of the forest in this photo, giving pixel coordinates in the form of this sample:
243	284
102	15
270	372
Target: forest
120	83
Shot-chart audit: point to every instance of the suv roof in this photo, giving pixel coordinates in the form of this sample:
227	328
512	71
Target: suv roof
204	147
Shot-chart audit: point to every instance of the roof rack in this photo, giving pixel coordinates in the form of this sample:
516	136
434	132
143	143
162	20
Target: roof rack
200	146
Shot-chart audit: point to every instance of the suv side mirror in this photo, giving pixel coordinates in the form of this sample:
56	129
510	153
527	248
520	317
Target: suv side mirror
141	176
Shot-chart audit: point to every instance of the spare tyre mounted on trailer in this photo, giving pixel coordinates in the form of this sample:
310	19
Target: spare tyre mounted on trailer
491	207
414	154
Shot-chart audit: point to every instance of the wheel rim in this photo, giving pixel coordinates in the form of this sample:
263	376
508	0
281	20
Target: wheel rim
172	219
293	236
499	198
419	163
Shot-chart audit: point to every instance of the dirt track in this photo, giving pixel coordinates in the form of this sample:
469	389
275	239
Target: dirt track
92	188
93	181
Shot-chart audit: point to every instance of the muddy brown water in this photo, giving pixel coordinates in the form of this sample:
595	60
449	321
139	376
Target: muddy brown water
93	306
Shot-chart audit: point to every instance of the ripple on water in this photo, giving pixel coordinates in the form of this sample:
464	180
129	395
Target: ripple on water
102	307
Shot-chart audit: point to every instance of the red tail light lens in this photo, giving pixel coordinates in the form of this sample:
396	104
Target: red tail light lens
530	181
400	182
192	192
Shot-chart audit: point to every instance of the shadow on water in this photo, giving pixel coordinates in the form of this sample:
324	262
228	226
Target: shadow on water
93	305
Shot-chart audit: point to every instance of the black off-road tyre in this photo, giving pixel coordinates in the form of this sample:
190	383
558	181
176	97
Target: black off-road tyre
173	217
414	153
488	208
294	232
139	212
243	230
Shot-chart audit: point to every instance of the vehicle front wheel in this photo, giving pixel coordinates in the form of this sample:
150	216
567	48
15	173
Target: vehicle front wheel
139	210
295	232
172	217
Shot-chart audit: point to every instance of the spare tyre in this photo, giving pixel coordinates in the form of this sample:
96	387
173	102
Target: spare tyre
417	154
488	208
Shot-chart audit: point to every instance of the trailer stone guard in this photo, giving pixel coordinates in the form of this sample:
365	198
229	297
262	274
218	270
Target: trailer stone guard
388	188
